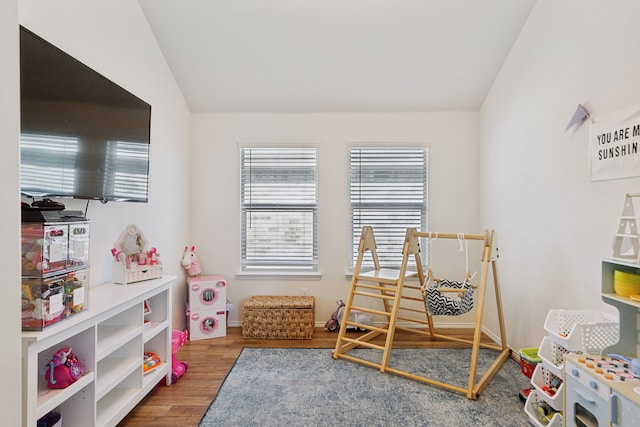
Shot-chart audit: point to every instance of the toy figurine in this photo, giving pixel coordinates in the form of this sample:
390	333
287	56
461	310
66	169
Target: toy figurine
190	261
152	256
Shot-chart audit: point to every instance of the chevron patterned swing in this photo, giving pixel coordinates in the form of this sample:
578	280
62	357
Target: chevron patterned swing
444	297
399	301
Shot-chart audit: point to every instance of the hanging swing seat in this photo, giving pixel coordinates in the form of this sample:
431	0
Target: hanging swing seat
444	297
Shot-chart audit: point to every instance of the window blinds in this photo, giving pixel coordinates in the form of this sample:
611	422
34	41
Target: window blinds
279	203
388	190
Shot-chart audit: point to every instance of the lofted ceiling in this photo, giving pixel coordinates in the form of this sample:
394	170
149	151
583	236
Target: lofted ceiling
295	56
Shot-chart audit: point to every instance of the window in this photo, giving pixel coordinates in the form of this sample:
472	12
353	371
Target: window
387	190
279	205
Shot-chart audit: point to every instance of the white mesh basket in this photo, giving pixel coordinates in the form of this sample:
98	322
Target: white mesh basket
587	331
552	353
543	379
535	417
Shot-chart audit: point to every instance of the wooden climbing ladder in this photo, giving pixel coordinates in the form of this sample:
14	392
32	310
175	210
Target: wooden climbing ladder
397	291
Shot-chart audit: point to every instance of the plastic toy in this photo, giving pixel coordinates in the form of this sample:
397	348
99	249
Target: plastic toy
131	246
152	256
355	316
633	362
190	261
178	339
151	361
34	257
64	369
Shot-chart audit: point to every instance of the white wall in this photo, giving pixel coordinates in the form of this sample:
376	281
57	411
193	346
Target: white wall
453	192
555	225
10	404
114	39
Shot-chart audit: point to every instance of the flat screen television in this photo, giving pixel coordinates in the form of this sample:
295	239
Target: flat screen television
81	135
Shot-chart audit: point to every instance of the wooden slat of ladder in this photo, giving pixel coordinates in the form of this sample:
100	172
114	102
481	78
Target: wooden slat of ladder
389	283
367	244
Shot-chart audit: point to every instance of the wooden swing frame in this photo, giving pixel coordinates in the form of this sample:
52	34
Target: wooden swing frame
388	286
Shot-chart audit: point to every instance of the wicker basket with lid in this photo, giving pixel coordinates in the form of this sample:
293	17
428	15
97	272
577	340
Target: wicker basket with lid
278	317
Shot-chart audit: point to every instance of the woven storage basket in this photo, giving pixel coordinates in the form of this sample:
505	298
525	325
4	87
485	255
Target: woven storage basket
278	317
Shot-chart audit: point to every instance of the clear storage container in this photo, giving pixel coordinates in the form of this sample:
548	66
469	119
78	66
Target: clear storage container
48	300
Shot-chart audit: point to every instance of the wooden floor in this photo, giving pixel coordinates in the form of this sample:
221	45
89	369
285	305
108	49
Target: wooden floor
184	403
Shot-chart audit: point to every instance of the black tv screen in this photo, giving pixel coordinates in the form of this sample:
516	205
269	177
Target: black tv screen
81	135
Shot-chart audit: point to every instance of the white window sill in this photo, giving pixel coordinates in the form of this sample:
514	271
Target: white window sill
279	275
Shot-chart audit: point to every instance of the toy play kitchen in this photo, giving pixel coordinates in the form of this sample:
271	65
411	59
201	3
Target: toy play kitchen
601	391
597	356
604	389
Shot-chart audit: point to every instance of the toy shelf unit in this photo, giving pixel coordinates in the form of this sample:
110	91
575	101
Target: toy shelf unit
627	305
625	400
109	341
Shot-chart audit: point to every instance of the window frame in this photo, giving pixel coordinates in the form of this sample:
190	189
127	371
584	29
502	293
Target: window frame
390	234
287	267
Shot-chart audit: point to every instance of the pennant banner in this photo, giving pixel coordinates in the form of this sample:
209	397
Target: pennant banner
614	147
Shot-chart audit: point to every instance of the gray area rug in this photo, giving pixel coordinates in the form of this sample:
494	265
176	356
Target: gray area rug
307	387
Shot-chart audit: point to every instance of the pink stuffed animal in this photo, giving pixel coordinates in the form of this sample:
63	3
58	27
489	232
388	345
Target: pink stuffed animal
190	261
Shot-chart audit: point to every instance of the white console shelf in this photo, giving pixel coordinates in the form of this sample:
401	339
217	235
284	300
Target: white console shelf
109	339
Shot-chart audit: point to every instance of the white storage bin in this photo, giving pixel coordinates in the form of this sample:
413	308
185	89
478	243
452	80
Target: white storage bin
535	417
552	354
543	378
587	331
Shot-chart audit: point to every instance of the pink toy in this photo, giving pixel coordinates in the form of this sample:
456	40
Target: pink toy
190	261
178	339
152	256
64	369
131	246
